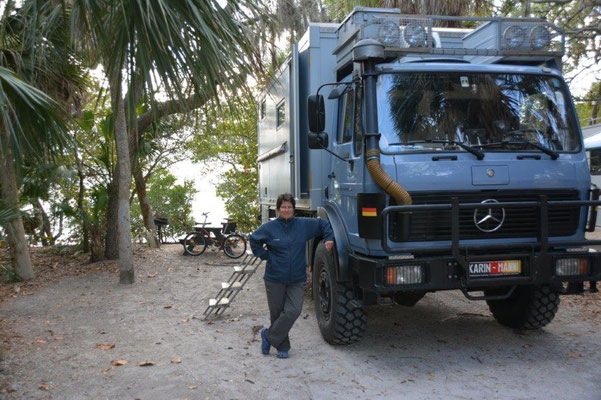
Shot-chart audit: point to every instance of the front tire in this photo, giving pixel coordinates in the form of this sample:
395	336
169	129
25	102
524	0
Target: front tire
528	308
341	318
195	244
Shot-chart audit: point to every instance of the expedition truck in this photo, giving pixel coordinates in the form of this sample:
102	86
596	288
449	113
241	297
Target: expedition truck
445	158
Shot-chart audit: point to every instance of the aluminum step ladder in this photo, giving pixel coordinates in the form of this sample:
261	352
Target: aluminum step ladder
230	289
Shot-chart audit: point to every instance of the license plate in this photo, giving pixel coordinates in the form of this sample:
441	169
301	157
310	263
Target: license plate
495	268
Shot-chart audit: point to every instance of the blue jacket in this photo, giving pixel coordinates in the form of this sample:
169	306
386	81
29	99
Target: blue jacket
285	240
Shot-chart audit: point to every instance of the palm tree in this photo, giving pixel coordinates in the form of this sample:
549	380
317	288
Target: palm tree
183	50
33	53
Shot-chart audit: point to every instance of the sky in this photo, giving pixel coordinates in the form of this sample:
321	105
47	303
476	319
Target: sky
205	199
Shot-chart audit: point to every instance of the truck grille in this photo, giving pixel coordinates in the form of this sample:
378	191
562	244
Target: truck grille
422	226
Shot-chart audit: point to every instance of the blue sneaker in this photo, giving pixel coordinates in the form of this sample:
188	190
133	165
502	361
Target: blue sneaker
282	354
265	346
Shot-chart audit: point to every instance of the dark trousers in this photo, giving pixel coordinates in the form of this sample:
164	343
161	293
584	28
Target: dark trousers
285	303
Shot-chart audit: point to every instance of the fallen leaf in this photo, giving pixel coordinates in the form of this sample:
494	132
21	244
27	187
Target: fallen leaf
193	387
169	269
339	370
40	341
210	323
176	361
105	346
47	323
146	363
58	338
153	275
432	374
185	320
574	355
44	387
168	306
235	319
526	346
117	363
219	330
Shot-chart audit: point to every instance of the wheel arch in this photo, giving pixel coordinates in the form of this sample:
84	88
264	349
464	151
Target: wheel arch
342	244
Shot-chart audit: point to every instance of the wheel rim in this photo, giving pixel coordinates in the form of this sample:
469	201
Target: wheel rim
324	294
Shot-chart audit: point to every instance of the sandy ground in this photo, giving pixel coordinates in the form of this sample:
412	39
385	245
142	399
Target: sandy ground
446	347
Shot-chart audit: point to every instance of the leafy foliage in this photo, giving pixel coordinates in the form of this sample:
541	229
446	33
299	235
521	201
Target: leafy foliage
230	137
168	200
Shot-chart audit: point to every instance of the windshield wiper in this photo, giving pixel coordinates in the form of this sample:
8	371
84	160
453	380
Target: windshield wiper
479	154
553	154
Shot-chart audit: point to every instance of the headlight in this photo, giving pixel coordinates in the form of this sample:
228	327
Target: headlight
514	37
415	35
571	266
389	34
405	275
539	37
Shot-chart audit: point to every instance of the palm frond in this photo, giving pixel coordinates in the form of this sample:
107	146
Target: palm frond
30	117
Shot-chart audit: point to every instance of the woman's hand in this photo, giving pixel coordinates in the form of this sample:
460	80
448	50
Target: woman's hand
329	245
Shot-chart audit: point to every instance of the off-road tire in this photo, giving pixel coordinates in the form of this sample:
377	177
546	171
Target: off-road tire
195	244
346	320
529	307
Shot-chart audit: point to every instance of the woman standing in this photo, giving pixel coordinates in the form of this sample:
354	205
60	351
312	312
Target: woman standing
285	273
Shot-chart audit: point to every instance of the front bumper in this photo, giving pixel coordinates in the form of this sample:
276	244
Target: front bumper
449	267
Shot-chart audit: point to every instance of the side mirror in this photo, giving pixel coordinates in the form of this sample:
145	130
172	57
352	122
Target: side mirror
316	113
317	140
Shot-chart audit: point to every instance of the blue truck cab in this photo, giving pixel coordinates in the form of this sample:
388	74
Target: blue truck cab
444	158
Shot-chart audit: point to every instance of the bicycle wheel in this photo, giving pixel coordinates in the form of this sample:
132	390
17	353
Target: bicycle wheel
195	244
234	246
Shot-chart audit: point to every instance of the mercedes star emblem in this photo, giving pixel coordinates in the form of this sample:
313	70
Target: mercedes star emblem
490	172
489	220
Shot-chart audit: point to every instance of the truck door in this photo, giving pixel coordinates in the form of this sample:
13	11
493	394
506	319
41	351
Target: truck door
347	176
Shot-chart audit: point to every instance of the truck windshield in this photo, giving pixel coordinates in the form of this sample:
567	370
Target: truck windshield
433	111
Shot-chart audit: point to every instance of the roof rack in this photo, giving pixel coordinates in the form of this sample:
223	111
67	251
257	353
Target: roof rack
488	39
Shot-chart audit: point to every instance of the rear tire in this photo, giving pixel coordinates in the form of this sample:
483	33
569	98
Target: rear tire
341	318
195	244
529	307
234	246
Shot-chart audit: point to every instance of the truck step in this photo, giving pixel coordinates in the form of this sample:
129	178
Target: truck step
231	286
221	303
241	270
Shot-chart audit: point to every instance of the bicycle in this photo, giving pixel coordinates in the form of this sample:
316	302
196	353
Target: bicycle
226	238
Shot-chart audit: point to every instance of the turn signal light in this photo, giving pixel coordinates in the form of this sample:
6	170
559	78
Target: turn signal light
571	266
404	275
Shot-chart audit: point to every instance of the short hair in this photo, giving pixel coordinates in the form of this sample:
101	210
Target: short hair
285	197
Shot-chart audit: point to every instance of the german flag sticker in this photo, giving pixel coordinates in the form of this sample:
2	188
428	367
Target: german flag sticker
369	212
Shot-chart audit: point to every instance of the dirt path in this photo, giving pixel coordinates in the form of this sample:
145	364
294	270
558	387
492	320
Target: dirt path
444	347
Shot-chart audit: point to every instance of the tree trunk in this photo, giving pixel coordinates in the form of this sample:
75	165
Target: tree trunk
40	225
85	226
111	249
46	228
146	208
595	110
19	248
126	264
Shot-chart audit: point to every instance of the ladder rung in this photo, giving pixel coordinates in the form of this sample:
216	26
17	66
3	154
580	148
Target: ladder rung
231	286
241	270
250	252
223	302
